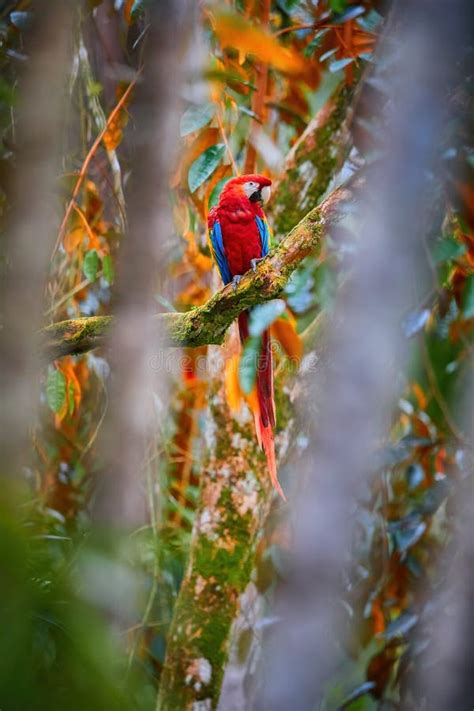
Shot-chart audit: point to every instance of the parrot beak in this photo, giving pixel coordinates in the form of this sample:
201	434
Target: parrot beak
266	192
262	195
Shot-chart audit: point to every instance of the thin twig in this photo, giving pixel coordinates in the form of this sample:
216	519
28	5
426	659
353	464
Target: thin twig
88	159
227	144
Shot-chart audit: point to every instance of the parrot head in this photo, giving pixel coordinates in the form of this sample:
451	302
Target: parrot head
255	187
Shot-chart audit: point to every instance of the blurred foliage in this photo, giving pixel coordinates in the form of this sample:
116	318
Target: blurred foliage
265	70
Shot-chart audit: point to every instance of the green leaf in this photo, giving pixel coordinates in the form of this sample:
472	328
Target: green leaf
204	166
249	362
70	397
195	118
446	249
287	5
214	199
468	297
338	5
371	21
7	93
315	43
325	284
108	269
91	264
263	315
340	64
55	390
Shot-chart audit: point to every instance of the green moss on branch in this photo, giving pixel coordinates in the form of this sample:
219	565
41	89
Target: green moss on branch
314	160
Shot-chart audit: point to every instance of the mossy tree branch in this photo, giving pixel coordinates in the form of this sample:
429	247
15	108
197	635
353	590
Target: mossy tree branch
208	324
234	501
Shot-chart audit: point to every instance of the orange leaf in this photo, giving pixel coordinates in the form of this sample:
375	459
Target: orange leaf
127	10
232	387
378	617
73	239
420	396
284	330
234	31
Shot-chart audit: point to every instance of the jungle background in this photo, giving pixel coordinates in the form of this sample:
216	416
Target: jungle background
146	561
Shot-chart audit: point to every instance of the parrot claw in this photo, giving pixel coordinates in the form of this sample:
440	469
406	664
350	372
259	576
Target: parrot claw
236	281
254	262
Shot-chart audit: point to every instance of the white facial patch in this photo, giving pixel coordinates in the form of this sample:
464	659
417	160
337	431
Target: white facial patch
250	187
266	192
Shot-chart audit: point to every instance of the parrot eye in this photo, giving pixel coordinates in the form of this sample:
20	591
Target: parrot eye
250	187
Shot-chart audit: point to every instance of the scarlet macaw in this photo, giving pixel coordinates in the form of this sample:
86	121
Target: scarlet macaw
240	237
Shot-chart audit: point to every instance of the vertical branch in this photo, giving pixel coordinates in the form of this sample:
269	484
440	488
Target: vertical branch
358	393
316	157
29	236
142	264
233	504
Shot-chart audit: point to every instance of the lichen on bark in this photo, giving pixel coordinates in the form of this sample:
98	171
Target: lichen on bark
316	157
234	500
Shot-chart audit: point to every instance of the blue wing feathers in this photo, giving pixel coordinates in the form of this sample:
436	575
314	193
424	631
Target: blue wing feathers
264	235
215	234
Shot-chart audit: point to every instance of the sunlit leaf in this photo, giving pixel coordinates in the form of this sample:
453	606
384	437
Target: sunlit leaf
263	315
55	390
91	264
232	384
284	330
73	239
248	363
195	118
234	31
204	166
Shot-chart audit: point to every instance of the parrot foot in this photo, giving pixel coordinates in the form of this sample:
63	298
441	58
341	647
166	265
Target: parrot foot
254	262
236	281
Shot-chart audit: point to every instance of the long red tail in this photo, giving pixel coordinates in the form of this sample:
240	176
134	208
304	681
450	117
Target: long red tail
265	414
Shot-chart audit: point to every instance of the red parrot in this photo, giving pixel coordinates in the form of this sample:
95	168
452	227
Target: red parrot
240	237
